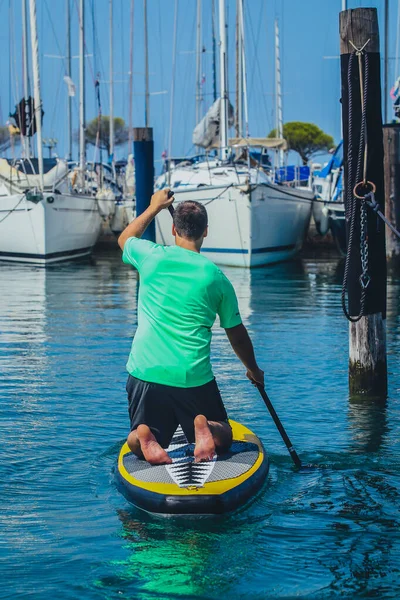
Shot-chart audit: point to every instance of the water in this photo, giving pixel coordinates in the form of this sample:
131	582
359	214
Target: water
65	530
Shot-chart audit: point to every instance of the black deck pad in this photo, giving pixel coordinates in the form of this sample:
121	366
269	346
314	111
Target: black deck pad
184	472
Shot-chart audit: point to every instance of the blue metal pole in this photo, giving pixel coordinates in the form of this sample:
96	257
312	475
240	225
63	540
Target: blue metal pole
143	148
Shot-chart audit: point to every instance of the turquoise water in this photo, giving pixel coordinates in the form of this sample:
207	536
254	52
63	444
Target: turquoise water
65	531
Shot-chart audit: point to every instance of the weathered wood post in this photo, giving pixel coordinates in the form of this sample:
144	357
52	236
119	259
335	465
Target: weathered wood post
391	145
143	147
365	269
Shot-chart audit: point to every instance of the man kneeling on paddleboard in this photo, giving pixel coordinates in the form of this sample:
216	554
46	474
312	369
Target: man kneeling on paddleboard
170	379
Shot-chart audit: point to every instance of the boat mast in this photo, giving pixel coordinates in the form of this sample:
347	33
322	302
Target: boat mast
278	91
198	64
171	107
146	63
82	144
111	87
223	82
386	69
344	4
36	86
244	71
130	138
214	51
68	57
26	80
239	75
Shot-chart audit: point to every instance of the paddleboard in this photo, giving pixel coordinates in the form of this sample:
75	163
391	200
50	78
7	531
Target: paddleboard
185	487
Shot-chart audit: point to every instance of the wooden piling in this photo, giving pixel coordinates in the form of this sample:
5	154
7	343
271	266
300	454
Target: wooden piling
391	145
367	339
143	148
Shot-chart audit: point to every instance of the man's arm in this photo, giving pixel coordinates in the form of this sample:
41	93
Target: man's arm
158	201
243	348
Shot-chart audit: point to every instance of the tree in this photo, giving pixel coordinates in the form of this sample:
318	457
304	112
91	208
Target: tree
305	138
102	127
8	136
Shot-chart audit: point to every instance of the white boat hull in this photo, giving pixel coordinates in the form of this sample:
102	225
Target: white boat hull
321	216
59	227
247	229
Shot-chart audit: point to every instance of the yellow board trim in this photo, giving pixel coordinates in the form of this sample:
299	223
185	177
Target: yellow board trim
215	488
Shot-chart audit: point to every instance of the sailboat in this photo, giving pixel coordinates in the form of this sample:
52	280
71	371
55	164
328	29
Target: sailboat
253	220
328	207
45	213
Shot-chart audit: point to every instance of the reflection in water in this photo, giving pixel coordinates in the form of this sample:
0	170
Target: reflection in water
368	423
65	334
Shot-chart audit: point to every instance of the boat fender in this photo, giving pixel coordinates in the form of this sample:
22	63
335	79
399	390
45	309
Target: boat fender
50	199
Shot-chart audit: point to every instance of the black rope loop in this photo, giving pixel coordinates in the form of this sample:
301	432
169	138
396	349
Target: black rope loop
352	201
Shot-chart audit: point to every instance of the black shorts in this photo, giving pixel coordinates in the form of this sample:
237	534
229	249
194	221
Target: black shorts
163	407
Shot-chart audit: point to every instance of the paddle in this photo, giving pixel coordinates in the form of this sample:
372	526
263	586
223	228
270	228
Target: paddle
281	429
264	396
170	207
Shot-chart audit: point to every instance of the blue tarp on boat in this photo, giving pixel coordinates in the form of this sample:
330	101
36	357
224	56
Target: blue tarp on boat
335	162
292	173
339	188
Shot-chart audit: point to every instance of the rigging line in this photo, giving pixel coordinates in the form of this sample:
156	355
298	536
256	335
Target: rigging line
94	44
56	103
218	195
85	46
187	79
171	109
258	67
163	87
122	49
98	56
13	209
372	203
61	54
256	41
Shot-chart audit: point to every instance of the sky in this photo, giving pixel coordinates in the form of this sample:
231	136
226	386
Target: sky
310	80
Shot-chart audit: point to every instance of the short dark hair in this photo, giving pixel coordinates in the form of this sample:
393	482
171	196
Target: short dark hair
190	219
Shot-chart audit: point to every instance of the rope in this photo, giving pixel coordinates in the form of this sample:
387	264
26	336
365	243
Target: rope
13	209
219	195
372	203
351	204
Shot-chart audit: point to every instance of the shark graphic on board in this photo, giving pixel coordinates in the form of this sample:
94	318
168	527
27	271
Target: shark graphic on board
183	470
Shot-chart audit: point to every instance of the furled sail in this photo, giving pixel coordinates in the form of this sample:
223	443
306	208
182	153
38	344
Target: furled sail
206	133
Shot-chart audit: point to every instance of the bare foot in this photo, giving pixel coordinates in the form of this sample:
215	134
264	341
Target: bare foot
205	446
151	449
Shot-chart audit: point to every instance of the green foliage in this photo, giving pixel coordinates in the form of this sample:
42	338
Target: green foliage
102	127
305	138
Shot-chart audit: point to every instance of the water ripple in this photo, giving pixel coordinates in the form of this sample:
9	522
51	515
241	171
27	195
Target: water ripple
330	530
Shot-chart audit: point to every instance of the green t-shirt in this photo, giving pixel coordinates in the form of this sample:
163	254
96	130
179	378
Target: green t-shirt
180	294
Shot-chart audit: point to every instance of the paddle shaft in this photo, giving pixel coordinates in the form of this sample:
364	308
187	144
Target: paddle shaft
284	435
170	207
